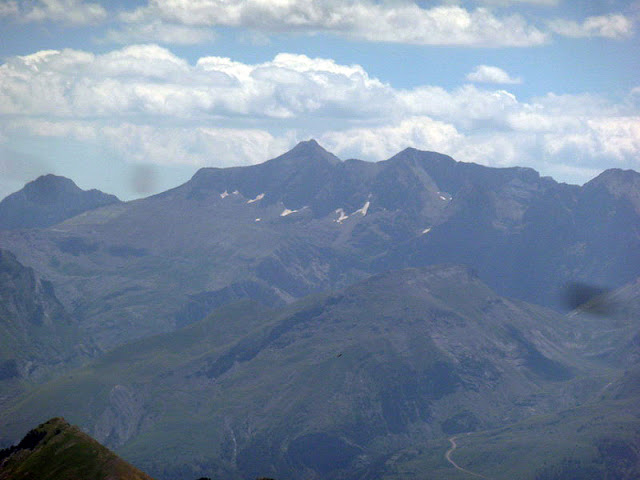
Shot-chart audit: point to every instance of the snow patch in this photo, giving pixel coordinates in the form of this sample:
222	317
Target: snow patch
286	212
364	209
341	215
224	194
259	197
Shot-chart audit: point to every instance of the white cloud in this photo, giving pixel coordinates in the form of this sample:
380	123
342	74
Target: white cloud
615	26
468	106
194	146
489	74
150	80
76	12
145	103
381	142
403	22
617	138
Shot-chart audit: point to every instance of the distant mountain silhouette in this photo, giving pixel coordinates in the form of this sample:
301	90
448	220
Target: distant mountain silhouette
48	200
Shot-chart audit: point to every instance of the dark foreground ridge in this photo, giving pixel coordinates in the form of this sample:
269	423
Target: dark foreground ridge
56	450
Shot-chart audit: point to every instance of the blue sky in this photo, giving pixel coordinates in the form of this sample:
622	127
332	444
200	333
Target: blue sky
132	97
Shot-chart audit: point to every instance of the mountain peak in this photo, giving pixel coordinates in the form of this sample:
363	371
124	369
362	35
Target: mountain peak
56	449
45	188
47	200
619	183
616	176
306	151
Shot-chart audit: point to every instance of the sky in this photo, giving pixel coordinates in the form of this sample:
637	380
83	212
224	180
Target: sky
133	97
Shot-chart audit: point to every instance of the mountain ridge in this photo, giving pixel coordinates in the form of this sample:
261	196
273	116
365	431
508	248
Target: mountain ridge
302	223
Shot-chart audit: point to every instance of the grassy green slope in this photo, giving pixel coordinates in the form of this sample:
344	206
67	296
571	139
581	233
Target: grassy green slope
56	450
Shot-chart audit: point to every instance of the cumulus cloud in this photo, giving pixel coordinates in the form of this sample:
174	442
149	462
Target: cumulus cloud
376	143
404	21
489	74
150	80
147	104
615	26
468	107
75	12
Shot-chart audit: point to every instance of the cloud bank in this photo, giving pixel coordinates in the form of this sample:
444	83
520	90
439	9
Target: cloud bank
397	22
149	105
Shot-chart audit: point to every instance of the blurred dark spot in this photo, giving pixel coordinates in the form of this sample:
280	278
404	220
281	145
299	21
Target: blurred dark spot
590	298
143	179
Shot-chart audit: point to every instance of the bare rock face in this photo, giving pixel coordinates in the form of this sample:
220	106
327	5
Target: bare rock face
121	419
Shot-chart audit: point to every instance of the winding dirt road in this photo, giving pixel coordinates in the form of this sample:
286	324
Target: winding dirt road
447	455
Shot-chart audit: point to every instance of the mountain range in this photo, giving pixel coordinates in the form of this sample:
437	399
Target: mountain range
316	318
306	222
